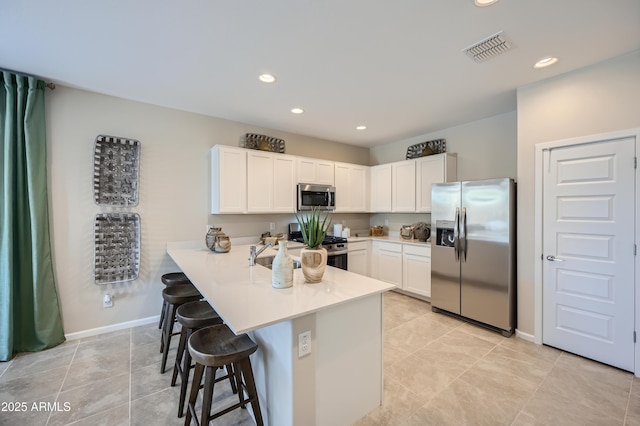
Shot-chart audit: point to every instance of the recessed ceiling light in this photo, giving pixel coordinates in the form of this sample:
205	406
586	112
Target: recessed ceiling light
297	110
267	78
361	128
545	62
483	3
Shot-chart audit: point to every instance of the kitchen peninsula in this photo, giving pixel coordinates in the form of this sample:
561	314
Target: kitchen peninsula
341	379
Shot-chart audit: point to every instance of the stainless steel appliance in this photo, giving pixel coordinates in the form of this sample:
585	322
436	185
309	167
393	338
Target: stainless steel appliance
473	258
336	246
322	197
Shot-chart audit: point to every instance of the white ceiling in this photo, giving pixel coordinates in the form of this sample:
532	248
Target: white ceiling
394	66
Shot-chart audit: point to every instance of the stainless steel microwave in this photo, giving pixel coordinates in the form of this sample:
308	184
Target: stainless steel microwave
311	195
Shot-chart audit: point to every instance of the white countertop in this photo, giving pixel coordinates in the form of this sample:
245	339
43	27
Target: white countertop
391	239
243	295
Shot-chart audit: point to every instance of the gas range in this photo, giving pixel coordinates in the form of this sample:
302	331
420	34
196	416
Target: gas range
334	245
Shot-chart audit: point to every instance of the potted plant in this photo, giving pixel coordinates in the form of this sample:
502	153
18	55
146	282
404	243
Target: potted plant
313	257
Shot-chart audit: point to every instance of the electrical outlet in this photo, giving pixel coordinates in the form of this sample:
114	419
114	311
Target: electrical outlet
386	222
304	344
272	226
107	301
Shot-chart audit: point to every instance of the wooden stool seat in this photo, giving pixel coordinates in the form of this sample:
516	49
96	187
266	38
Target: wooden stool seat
170	279
180	294
192	316
219	346
198	314
174	278
174	296
214	347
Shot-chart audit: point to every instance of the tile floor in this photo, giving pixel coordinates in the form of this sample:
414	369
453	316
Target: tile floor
438	371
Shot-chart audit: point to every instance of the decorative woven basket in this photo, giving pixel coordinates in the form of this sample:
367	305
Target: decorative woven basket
436	146
262	143
116	247
116	170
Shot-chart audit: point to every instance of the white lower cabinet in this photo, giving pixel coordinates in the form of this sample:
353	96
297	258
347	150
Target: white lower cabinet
387	262
358	257
416	269
406	265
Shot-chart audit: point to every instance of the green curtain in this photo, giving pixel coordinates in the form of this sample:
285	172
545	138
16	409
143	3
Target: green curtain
29	311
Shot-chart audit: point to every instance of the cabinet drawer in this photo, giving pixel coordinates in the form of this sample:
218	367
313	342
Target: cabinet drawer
357	245
417	250
393	247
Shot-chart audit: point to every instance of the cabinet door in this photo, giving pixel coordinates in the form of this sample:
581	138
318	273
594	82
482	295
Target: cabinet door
284	184
315	171
351	187
306	170
416	271
403	192
324	172
380	188
342	188
260	182
228	180
358	188
388	262
357	262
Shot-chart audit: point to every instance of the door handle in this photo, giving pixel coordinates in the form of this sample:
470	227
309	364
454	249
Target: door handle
554	259
463	234
456	235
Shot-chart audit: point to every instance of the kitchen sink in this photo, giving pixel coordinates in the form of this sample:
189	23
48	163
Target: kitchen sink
268	262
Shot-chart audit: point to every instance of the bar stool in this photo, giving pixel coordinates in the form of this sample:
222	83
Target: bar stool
214	347
175	296
192	316
172	278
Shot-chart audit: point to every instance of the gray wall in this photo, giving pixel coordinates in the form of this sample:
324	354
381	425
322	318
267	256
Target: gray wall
485	148
597	99
174	194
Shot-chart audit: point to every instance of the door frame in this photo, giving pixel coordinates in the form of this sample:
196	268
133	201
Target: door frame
540	148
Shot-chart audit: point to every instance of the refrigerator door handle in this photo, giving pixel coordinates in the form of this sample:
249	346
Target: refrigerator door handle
463	235
456	235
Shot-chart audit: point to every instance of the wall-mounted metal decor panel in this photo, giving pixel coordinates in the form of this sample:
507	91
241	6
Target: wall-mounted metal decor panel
116	165
116	247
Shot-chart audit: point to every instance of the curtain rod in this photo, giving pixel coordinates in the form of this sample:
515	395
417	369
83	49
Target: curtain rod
51	86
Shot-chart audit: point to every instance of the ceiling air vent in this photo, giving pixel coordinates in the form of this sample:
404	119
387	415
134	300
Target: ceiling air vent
489	47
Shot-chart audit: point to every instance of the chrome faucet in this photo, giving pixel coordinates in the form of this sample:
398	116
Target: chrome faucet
253	254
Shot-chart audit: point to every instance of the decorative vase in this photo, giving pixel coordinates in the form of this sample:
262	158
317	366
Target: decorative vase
314	262
282	268
210	238
217	241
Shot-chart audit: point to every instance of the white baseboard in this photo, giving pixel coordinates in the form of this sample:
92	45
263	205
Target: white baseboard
109	328
526	336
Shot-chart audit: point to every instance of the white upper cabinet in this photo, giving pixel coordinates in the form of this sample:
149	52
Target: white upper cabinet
403	190
352	189
380	188
228	179
429	170
311	170
251	181
271	182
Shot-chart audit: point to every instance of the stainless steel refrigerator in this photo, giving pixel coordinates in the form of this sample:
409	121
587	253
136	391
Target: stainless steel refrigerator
473	258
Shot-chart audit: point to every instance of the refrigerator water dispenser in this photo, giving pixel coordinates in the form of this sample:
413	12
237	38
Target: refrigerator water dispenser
445	234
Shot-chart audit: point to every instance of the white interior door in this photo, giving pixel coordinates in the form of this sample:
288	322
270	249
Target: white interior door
588	250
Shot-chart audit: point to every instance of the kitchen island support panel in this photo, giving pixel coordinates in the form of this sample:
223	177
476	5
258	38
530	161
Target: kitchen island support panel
340	381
